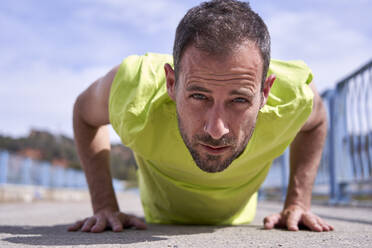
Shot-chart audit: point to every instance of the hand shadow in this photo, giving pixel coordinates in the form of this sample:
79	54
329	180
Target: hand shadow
279	227
58	234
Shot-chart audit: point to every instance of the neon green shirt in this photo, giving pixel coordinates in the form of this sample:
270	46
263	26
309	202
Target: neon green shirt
172	188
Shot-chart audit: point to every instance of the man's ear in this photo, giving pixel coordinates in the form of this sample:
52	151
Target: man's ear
171	81
267	87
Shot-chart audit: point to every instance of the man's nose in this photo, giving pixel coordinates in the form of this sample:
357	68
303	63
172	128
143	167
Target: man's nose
216	125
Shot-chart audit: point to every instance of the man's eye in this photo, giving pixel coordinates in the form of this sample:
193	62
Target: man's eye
240	100
198	96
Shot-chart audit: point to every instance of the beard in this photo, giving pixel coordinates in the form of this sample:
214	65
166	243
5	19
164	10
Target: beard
214	163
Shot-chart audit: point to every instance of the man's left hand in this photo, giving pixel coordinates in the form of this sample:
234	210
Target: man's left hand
293	216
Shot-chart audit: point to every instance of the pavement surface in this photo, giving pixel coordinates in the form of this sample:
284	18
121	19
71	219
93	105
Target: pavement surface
44	224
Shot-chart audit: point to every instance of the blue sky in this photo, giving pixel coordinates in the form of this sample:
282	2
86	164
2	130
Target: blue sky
52	50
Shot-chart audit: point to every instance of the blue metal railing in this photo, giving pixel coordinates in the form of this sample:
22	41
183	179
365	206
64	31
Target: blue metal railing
25	171
347	154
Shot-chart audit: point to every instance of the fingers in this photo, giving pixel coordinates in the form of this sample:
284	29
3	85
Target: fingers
132	221
136	222
76	226
330	227
115	223
100	225
96	224
89	223
121	220
312	223
316	224
271	221
116	220
86	225
325	226
292	218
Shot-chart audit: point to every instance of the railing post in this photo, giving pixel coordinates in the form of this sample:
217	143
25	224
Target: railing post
284	172
370	150
45	174
334	189
369	118
69	178
4	161
26	171
59	177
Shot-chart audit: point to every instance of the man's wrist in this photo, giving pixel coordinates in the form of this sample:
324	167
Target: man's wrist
113	207
105	201
298	198
296	204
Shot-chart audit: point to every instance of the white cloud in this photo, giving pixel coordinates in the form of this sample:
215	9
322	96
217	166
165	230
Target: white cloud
43	95
331	49
45	66
47	62
148	17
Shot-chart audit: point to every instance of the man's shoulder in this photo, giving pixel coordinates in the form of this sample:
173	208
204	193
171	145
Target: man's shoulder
137	92
145	69
149	59
139	71
297	72
288	106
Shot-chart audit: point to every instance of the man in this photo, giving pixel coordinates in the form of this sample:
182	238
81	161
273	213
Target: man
204	133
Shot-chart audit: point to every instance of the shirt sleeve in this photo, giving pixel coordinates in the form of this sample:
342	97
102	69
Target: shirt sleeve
288	107
136	84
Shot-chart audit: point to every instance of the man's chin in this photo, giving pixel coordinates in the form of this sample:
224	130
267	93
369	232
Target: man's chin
213	164
212	169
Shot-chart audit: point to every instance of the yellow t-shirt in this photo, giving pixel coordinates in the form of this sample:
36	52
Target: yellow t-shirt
172	188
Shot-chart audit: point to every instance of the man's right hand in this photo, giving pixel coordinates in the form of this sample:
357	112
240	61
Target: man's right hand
91	116
104	219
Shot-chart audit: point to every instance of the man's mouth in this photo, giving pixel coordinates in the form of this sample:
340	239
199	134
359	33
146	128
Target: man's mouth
214	149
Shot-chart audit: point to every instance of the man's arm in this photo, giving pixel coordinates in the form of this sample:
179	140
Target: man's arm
305	155
90	120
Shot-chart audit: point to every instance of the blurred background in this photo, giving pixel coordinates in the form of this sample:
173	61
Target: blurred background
52	50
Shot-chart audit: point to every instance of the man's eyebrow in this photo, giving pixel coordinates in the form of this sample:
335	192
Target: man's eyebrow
241	93
197	88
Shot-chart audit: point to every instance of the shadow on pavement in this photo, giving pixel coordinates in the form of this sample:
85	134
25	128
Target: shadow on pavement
58	234
366	222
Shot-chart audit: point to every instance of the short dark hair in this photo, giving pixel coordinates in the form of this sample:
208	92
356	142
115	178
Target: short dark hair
219	26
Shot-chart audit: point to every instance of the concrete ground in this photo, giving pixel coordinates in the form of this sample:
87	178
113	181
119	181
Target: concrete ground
44	224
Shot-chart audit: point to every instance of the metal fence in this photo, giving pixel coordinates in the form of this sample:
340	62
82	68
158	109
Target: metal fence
25	171
345	169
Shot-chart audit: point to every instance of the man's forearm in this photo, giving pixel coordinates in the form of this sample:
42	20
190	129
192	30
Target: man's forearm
93	147
305	155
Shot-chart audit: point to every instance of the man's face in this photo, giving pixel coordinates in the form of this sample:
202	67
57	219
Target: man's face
217	103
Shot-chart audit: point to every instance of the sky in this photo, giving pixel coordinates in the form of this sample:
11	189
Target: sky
50	51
